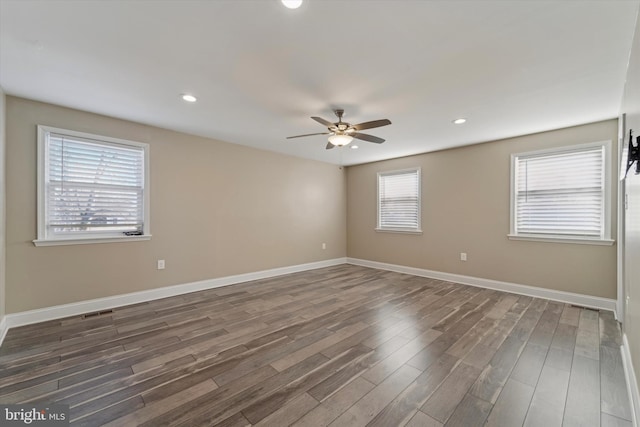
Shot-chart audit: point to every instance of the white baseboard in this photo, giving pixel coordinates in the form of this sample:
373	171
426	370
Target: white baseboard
632	384
74	309
3	328
77	308
532	291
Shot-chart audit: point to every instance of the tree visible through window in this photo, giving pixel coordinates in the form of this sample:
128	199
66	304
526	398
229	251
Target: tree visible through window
90	186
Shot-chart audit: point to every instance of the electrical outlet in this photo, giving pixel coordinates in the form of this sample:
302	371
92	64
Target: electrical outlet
463	256
324	246
160	264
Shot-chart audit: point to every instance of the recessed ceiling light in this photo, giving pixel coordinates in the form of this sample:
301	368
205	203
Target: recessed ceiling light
189	98
354	147
292	4
459	121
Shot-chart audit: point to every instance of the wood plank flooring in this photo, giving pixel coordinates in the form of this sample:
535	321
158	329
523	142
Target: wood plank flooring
339	346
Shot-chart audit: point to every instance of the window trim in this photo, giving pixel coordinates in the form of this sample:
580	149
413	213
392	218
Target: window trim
400	230
43	238
605	238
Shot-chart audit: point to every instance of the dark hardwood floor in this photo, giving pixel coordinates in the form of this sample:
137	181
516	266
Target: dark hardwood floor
340	346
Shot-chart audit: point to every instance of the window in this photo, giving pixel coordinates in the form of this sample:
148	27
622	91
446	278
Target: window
399	201
91	188
562	194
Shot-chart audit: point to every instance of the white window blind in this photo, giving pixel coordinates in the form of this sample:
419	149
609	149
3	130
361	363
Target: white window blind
561	193
399	200
92	188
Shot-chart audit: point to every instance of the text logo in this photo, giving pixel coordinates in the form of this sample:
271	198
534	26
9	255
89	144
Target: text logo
34	415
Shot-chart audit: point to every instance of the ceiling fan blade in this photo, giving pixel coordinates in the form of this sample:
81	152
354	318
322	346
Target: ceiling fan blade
372	124
369	138
322	121
309	134
330	146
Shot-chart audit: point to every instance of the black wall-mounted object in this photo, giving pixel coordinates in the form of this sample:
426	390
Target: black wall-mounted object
633	154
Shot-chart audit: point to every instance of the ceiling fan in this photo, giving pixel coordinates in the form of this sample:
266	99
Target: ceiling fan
342	133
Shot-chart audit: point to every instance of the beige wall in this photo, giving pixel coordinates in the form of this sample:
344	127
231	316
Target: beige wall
631	106
2	205
465	208
220	209
217	209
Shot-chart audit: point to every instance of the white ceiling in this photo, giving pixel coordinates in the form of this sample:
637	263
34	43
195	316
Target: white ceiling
260	70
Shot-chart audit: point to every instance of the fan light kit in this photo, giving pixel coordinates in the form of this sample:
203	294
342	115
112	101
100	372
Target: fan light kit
292	4
340	139
189	98
342	133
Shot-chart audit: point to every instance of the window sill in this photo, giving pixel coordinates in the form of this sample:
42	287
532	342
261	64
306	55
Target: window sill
562	239
398	230
63	242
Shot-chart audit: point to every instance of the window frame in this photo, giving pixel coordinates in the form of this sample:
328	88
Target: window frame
48	239
605	237
407	230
